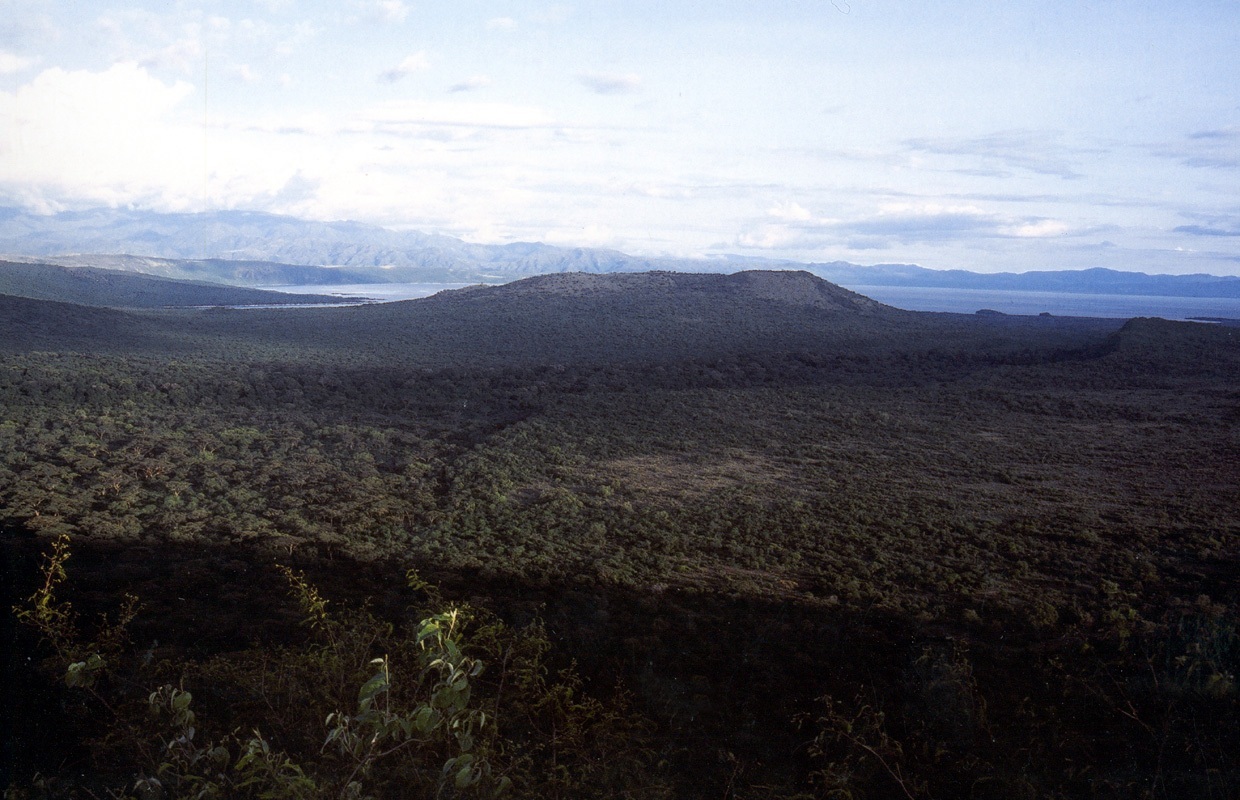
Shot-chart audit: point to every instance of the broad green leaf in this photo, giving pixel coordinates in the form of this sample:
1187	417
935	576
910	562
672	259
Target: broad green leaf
425	719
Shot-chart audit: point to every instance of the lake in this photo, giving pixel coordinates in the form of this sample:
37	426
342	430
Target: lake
385	292
962	301
1062	304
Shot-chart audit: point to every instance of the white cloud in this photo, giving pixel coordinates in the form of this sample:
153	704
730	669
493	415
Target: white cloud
108	136
791	211
1039	229
591	235
11	64
770	237
789	226
610	82
501	23
417	62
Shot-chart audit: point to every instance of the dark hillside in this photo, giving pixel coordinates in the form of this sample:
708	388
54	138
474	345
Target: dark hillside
1179	349
101	287
626	317
27	324
655	291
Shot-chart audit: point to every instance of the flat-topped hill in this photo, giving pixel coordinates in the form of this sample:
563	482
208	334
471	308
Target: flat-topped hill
785	287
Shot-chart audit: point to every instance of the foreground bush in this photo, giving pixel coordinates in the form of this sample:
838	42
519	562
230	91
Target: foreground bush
454	704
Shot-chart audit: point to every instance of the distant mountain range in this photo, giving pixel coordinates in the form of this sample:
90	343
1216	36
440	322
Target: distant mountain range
253	249
353	248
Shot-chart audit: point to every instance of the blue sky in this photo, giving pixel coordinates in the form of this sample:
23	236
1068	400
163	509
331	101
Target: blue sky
974	135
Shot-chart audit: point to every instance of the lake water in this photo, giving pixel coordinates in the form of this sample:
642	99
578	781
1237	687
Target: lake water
1061	304
384	292
962	301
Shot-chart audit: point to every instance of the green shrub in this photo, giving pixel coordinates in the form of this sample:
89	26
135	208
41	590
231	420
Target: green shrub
456	705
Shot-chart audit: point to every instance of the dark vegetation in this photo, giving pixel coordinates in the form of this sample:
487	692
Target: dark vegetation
110	288
742	537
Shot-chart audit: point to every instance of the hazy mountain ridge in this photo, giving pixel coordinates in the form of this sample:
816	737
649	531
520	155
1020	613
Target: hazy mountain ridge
255	236
255	249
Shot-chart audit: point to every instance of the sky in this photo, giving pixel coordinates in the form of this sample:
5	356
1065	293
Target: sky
972	135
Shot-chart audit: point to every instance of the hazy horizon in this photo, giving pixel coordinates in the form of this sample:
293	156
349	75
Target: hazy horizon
1013	138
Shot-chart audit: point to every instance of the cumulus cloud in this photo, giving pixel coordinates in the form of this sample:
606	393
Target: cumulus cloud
470	84
110	136
790	211
610	82
778	237
790	226
501	23
591	235
11	64
1037	229
417	62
